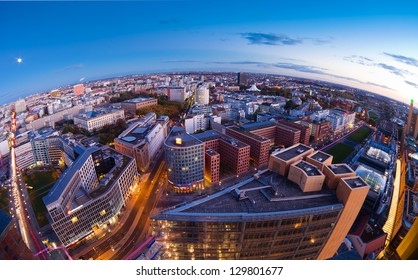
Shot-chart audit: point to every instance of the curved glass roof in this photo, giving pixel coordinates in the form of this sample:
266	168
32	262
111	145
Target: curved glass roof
375	180
378	154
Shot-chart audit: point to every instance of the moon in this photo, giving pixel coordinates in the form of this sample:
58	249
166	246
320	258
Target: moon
19	60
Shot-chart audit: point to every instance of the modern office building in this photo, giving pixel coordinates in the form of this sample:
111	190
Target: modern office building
24	155
268	217
78	89
176	94
185	161
202	95
260	136
130	106
341	119
90	193
234	154
142	142
305	131
212	166
97	119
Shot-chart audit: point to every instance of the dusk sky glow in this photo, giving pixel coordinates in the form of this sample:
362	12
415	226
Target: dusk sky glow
372	46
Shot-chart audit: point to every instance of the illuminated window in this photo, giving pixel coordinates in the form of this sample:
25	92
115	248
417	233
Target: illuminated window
103	212
74	220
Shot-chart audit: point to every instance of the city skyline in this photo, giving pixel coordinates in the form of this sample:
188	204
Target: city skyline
52	44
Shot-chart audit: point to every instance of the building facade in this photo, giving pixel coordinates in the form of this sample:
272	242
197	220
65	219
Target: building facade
185	161
132	105
96	120
80	203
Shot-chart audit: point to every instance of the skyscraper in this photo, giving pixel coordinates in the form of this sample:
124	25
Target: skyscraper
268	216
20	105
242	79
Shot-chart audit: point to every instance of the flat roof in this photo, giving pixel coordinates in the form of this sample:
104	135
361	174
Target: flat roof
207	135
355	182
137	134
319	156
309	169
271	194
341	168
138	100
234	142
256	125
179	138
211	152
66	177
249	134
292	151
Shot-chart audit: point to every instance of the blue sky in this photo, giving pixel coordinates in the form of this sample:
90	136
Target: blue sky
373	46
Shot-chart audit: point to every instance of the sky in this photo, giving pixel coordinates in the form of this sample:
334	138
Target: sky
372	46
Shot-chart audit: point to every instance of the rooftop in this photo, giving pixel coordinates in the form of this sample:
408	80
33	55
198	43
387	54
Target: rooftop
66	177
138	100
207	135
320	156
271	194
256	125
211	152
341	168
248	133
309	169
375	180
355	182
292	152
179	138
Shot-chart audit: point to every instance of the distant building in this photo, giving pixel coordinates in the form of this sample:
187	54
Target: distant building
98	119
195	123
241	79
130	106
78	89
20	106
90	194
202	95
176	94
55	93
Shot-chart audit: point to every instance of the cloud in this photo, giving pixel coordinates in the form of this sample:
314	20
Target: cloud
300	68
269	39
170	21
70	67
272	39
404	59
393	69
378	85
412	84
182	61
359	59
